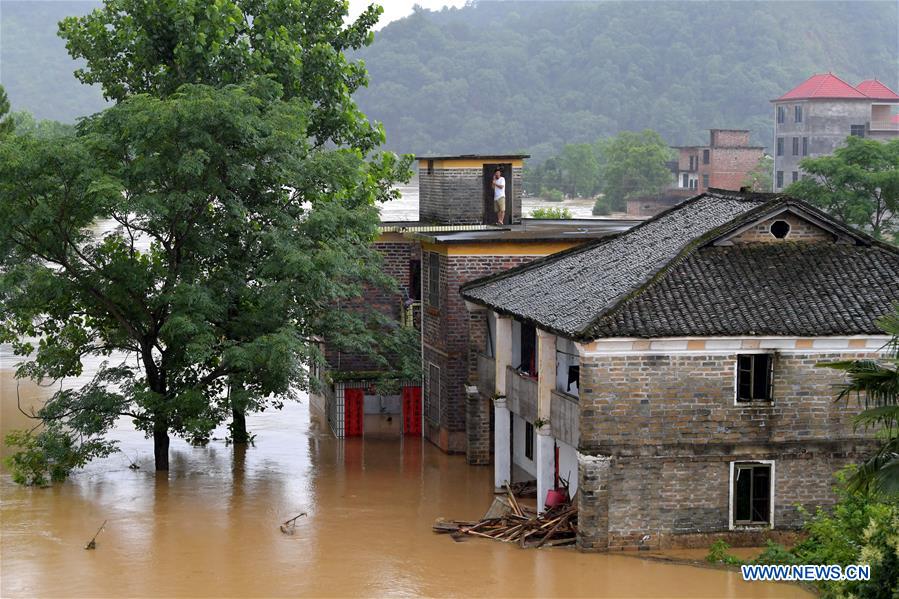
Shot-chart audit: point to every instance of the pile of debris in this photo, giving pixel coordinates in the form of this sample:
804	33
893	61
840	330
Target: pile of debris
510	522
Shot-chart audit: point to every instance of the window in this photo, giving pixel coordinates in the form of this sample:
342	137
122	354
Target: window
797	114
781	114
568	371
752	486
754	375
795	176
415	279
490	344
780	228
432	400
780	146
686	181
780	179
857	130
528	440
795	146
430	167
705	181
693	184
528	345
805	146
705	156
434	279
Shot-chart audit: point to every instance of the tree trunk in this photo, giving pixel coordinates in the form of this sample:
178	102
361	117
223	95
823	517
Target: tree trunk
161	446
239	426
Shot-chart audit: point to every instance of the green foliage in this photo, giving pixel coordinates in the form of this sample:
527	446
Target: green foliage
875	384
244	183
760	177
858	183
6	123
634	164
718	554
26	124
552	195
49	455
601	207
551	213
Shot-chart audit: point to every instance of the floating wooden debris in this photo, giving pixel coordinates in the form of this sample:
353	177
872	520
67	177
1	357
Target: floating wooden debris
509	522
288	527
92	544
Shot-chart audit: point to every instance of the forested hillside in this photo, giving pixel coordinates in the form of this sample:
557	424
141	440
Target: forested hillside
532	76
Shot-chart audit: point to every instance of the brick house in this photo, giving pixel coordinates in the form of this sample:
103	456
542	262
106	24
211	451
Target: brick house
675	365
815	118
453	242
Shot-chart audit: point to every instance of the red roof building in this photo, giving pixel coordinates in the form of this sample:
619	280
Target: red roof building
825	86
876	90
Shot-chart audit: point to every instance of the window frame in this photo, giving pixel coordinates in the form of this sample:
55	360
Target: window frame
854	128
434	281
779	179
732	523
797	113
805	146
706	156
780	146
781	114
529	432
769	385
795	146
705	181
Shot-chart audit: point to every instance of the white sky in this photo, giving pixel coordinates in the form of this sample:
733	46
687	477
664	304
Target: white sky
397	9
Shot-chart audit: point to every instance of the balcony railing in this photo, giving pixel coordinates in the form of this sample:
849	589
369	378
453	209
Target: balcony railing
486	375
563	417
521	394
883	126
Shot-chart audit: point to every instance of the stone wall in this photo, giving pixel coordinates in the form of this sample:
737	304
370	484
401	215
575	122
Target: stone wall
670	427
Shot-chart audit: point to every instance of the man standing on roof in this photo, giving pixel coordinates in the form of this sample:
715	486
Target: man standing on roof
499	195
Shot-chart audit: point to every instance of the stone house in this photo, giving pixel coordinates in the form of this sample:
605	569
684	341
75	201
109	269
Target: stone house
676	365
815	118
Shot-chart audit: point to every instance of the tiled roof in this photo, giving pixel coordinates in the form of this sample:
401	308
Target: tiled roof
598	289
823	86
787	288
876	90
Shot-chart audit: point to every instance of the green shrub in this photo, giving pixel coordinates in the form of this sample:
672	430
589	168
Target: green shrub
601	207
551	213
49	455
552	195
718	554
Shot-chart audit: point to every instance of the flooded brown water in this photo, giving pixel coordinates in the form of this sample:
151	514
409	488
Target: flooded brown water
210	527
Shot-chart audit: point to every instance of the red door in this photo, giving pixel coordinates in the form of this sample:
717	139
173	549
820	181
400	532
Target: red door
353	409
412	410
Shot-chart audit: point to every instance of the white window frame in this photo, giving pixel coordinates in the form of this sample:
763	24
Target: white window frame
743	352
730	497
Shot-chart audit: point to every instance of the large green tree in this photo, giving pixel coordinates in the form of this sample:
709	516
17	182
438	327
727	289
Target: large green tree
243	183
6	122
633	164
858	183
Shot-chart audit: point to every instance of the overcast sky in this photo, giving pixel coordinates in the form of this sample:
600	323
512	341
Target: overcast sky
397	9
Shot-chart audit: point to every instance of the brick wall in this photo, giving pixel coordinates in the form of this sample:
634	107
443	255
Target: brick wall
670	426
800	230
729	166
725	137
456	195
447	341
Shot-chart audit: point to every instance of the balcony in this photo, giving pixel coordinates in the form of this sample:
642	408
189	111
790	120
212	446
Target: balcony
883	126
563	417
521	394
486	375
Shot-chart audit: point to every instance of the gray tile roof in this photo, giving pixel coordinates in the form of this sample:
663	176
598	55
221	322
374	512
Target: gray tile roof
576	292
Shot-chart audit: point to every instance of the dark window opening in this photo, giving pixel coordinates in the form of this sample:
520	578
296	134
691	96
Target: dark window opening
434	279
797	114
705	181
780	179
795	176
528	440
686	181
754	373
430	167
780	146
415	279
705	156
752	494
780	228
528	344
781	114
857	130
805	146
795	146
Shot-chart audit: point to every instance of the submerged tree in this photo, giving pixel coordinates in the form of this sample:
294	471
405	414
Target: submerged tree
760	178
858	183
876	384
633	164
243	185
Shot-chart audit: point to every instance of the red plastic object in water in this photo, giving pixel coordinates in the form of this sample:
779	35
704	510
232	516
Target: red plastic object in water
556	497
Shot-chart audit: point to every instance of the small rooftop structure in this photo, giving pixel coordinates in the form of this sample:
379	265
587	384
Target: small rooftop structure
876	90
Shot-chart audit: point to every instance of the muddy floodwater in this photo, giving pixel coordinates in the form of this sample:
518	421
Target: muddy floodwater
210	527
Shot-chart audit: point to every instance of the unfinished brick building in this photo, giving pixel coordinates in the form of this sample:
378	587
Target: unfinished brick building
453	242
676	364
